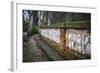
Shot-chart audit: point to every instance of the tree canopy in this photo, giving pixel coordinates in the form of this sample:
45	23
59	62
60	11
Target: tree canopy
33	18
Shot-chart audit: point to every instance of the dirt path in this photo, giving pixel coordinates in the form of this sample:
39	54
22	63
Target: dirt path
36	50
32	53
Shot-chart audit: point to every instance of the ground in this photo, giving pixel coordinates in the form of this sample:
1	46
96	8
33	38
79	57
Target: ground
35	50
31	51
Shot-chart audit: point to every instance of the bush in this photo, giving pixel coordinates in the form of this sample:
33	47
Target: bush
25	26
35	29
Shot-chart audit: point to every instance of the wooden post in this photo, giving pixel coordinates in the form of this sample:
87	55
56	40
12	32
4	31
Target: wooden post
63	38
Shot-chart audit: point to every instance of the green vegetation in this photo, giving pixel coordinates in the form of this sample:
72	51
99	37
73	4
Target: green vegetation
77	24
25	25
35	29
51	19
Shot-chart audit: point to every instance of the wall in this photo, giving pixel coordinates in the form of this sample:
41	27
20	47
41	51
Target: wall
53	34
78	40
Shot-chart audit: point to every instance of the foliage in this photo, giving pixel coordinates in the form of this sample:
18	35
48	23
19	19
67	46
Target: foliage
54	19
25	25
35	29
75	24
